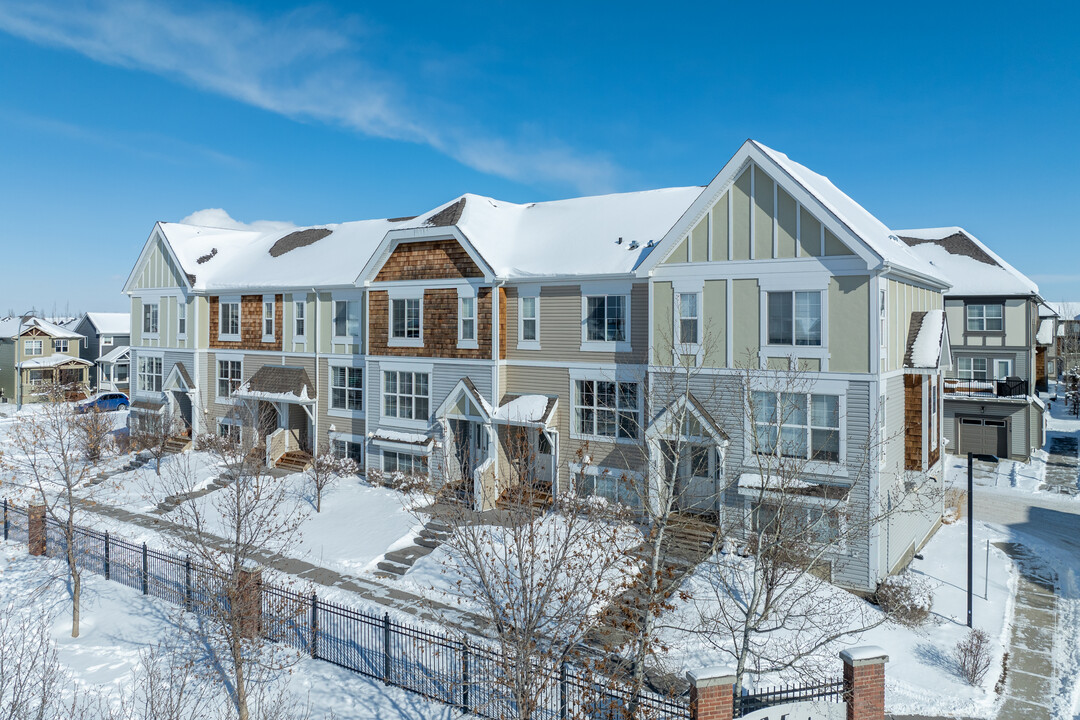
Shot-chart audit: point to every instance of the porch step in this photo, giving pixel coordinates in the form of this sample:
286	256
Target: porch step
398	562
295	461
525	500
177	445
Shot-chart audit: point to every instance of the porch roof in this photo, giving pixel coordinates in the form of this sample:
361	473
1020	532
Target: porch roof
278	383
533	410
121	352
753	483
396	437
148	405
53	361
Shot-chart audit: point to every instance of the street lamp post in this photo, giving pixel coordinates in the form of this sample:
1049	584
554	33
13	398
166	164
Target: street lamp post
970	528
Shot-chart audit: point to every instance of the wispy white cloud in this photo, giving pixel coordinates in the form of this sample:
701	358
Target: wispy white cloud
304	64
219	218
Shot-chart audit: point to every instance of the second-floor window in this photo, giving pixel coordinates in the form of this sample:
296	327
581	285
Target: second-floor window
405	394
467	318
607	409
969	368
346	388
32	347
606	318
268	320
149	377
150	318
689	318
229	319
405	318
883	324
228	377
794	318
985	318
797	425
106	340
530	321
181	319
60	346
299	308
346	318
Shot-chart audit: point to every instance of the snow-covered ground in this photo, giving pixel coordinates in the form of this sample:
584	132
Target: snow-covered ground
921	676
119	623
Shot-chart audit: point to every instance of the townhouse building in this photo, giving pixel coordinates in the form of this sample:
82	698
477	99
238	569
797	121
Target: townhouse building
991	405
36	354
440	344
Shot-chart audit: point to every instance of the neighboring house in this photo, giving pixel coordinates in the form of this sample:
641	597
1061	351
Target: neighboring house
1046	348
36	352
991	403
114	370
104	332
1068	335
435	343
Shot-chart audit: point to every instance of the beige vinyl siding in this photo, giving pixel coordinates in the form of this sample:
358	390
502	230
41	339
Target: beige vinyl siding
700	241
157	270
202	311
746	311
740	211
136	321
561	322
714	332
833	245
288	335
763	214
720	228
905	299
663	319
679	255
1017	325
849	323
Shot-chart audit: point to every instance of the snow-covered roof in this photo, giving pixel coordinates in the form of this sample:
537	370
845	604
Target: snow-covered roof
9	328
971	267
117	353
52	361
858	219
577	236
1045	335
110	323
1067	310
525	409
402	438
926	339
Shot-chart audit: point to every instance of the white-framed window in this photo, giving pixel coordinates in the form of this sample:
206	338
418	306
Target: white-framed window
971	368
229	431
60	346
347	319
1002	368
794	318
797	425
32	347
229	374
605	318
406	321
150	319
299	319
268	306
810	523
933	400
688	327
466	320
986	318
406	394
346	388
883	320
228	319
120	372
619	486
106	340
348	447
181	319
149	374
607	409
35	376
406	463
529	322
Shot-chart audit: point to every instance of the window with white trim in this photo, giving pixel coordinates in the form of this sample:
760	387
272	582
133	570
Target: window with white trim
618	486
794	318
883	320
405	394
346	318
530	319
346	388
106	340
406	463
985	318
604	408
149	374
1002	368
467	318
797	425
689	326
299	309
605	318
348	449
181	319
229	319
971	368
60	346
405	318
230	432
150	319
268	320
229	373
32	347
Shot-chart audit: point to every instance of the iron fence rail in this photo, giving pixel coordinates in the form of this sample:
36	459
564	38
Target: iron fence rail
828	691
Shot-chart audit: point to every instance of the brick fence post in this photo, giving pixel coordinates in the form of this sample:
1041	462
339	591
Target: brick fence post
35	526
864	682
711	693
249	601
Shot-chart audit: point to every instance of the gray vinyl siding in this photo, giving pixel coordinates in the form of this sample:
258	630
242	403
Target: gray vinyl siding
7	369
561	322
722	396
1017	428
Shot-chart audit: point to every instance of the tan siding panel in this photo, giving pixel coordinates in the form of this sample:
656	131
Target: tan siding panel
809	234
763	214
786	218
663	308
740	210
720	229
700	241
746	313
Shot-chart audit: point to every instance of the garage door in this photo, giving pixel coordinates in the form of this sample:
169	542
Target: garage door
982	437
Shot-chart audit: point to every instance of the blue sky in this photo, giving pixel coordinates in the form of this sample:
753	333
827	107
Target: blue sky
118	113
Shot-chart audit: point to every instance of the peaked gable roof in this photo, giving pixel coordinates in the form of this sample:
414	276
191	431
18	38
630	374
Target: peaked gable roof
971	267
9	328
110	323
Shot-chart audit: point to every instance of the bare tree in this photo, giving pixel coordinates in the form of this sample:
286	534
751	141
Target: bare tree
151	432
49	456
231	529
325	469
96	428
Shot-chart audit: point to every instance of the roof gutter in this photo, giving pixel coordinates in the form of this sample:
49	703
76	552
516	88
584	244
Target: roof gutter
899	271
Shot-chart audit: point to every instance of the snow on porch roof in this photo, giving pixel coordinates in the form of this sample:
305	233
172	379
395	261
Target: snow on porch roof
926	339
525	410
115	354
752	483
278	383
402	438
53	361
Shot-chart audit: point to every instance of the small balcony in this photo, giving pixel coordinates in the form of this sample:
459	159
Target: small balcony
1010	387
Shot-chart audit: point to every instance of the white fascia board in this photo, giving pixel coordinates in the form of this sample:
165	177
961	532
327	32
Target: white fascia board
142	257
393	238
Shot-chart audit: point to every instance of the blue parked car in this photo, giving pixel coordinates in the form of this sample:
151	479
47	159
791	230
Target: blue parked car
103	402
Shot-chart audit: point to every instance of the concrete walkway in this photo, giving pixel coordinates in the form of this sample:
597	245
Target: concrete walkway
1062	473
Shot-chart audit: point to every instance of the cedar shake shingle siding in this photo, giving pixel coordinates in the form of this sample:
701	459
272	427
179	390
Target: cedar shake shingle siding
440	326
251	328
913	421
428	260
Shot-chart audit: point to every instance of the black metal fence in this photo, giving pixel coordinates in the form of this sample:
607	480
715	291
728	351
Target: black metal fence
442	668
828	691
